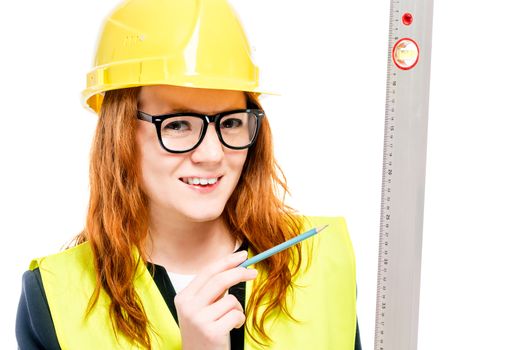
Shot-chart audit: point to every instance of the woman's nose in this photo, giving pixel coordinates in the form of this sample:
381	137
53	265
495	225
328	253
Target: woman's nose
210	149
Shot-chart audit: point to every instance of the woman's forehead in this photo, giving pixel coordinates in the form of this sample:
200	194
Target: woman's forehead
176	98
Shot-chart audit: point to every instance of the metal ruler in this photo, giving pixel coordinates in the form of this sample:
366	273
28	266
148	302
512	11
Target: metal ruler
403	178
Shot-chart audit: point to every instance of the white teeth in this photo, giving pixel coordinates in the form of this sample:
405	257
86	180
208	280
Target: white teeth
200	180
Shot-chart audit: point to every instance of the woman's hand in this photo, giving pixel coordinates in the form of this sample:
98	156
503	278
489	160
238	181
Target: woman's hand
205	315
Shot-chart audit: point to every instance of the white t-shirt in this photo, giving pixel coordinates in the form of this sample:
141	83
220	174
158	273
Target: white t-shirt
180	281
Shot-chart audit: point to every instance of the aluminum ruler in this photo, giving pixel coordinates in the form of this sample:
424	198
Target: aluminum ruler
403	178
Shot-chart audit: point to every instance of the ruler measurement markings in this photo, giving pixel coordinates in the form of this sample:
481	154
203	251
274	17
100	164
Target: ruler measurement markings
386	181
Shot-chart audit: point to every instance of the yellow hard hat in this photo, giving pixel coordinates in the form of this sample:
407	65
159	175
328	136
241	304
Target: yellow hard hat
191	43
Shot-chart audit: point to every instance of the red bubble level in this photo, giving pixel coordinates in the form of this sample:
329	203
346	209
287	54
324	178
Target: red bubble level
407	18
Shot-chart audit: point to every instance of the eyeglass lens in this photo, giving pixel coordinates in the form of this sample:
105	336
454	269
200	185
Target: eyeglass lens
182	133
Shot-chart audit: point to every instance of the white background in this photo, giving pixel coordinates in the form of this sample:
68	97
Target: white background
328	60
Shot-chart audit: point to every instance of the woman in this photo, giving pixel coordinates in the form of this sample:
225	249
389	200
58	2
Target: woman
184	186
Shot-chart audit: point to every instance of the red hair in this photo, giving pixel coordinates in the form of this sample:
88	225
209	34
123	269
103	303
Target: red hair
118	219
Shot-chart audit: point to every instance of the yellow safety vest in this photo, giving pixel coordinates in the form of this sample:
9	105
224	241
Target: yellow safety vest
324	302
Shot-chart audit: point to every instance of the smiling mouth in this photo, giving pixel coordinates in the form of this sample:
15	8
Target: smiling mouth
200	181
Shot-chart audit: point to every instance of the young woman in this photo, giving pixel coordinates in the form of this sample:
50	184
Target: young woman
184	186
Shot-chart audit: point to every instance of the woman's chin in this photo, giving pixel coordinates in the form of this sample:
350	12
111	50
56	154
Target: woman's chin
203	215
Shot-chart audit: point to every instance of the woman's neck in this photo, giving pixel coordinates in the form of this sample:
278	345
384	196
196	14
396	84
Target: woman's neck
185	247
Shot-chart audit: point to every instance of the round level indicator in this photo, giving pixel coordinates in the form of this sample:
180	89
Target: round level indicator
405	53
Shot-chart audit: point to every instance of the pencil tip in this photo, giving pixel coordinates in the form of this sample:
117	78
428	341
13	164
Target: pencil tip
321	228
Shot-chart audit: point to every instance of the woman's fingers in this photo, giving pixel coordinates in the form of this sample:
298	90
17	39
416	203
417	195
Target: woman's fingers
218	266
215	287
205	315
233	319
224	305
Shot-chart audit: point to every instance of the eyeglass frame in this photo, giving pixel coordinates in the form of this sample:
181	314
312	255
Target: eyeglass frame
207	119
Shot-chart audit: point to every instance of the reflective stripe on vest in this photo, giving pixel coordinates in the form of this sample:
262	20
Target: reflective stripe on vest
323	301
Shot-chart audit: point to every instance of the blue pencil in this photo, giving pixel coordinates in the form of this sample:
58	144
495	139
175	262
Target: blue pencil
282	246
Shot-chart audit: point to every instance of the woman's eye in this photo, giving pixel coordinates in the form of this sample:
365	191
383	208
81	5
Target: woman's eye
231	123
179	125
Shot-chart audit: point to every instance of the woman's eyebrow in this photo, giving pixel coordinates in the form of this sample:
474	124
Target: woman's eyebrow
181	110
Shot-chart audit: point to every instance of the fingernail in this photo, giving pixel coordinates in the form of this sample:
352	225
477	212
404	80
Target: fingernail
252	273
243	254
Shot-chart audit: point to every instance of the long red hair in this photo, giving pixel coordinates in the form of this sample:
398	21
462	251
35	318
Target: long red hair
118	219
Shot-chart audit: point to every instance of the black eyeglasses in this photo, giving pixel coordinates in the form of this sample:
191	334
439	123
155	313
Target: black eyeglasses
183	132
